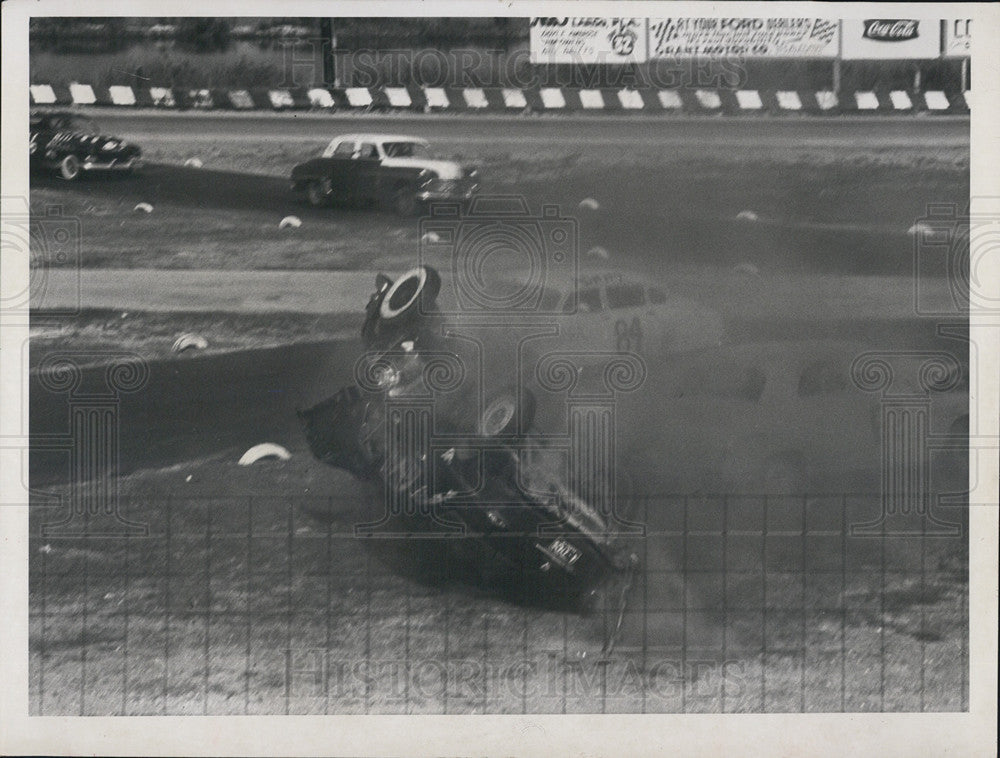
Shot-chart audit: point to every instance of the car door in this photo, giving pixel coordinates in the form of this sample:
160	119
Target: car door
366	164
340	170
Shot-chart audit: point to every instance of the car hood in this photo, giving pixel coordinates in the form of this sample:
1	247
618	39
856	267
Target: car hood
444	169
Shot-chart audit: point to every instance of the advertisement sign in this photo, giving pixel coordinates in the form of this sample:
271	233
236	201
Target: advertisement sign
744	37
588	40
891	38
957	37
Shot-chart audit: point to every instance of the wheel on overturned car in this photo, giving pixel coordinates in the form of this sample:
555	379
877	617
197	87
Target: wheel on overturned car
506	412
415	290
69	168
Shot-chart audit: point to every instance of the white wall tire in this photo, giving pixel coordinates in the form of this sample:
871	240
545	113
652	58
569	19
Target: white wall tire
404	296
69	168
507	412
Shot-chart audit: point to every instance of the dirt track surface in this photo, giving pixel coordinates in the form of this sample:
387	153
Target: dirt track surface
738	294
578	129
250	592
824	195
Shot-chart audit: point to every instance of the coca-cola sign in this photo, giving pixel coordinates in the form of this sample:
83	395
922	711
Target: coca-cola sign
891	30
890	39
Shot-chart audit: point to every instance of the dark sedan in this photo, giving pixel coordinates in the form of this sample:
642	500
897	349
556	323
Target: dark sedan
71	143
394	171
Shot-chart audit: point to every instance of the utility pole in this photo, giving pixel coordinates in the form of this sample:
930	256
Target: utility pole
838	58
327	53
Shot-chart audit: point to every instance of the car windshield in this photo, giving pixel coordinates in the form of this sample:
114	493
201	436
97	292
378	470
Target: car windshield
344	148
406	150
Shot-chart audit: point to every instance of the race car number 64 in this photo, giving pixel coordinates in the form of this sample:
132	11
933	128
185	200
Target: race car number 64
628	335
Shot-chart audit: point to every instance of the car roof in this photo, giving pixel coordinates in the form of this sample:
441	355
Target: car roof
50	114
379	137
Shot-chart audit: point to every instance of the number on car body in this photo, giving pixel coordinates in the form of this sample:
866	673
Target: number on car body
628	335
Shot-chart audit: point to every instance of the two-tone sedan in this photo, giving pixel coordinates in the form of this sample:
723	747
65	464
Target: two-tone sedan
71	144
391	171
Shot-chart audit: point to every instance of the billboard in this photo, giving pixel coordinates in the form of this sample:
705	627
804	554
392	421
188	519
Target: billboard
588	40
957	37
744	37
891	38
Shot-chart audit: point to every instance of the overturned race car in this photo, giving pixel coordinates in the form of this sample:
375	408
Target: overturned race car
476	477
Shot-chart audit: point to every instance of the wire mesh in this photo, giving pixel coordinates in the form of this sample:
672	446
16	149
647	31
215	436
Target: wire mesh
273	605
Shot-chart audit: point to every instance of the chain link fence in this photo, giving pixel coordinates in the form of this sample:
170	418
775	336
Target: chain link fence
271	605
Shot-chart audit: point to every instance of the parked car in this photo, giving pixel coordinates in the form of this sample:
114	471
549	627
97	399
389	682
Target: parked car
71	143
389	170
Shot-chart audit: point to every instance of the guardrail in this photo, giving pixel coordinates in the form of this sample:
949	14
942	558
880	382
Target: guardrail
511	100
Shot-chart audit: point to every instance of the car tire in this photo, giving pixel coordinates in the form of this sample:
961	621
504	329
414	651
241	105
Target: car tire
69	168
416	288
315	194
404	203
506	412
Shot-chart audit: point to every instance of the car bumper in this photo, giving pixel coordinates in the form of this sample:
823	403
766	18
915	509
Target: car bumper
448	191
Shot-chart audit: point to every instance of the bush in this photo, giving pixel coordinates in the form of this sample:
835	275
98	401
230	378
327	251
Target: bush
203	34
88	35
